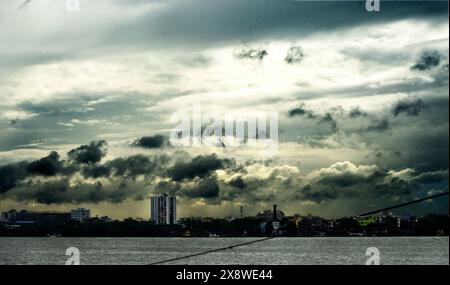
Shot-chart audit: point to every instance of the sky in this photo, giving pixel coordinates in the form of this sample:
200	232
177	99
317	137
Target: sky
87	100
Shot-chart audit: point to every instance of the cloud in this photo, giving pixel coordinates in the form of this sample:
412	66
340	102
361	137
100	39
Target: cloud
238	182
207	188
432	177
294	55
427	60
356	112
11	174
90	153
208	177
47	166
379	126
129	167
329	120
155	141
199	166
251	53
410	107
62	191
301	111
347	180
14	173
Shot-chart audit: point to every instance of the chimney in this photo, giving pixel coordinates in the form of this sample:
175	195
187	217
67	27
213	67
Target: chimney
274	212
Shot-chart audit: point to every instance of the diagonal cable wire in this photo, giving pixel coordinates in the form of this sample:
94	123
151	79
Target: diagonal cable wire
211	251
267	238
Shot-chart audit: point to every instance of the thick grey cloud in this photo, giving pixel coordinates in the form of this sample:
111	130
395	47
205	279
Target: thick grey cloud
116	181
238	183
410	107
427	60
155	141
51	165
199	166
197	23
129	167
345	181
48	166
301	111
11	174
61	192
91	153
207	188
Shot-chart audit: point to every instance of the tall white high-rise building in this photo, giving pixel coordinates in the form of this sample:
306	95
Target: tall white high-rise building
163	209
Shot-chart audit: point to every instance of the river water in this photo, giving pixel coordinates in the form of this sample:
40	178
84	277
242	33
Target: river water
327	250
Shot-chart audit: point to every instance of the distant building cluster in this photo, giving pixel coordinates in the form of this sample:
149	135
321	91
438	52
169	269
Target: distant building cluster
163	211
35	217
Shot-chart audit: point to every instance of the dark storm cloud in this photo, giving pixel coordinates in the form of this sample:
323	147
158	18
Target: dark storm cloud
375	183
11	174
238	182
129	167
168	187
206	188
91	153
432	177
51	165
301	111
155	141
136	165
194	178
198	23
342	180
199	166
96	171
427	60
48	166
61	191
119	173
410	107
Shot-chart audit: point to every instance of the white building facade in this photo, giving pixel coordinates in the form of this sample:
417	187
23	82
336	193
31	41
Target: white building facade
163	209
80	214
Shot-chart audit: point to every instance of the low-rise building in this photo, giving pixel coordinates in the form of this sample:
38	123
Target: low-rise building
80	214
